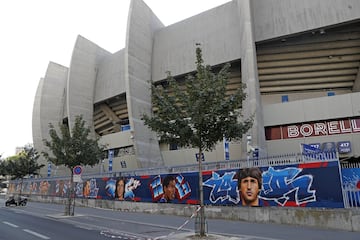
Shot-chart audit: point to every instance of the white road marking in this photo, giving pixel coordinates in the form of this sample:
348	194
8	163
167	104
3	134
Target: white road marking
36	234
10	224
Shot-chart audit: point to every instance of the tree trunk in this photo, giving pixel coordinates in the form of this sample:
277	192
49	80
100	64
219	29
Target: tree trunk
70	194
201	196
21	186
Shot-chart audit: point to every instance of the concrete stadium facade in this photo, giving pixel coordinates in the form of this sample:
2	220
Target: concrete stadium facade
298	59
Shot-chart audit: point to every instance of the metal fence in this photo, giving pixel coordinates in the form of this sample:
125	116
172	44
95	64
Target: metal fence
278	160
351	193
350	165
351	197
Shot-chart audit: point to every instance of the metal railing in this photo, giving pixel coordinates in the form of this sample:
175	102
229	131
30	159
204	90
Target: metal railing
350	165
277	160
351	196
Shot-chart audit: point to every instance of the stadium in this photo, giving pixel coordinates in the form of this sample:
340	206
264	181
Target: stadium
298	59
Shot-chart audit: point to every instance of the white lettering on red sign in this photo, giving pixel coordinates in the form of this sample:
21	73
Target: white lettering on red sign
333	127
306	130
293	131
343	128
354	125
320	129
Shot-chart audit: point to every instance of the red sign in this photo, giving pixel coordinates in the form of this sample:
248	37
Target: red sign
313	129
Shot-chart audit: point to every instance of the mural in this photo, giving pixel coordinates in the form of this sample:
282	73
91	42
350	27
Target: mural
351	184
297	185
279	186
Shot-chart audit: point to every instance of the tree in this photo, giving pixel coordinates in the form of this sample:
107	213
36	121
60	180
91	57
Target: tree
73	148
198	113
2	168
23	164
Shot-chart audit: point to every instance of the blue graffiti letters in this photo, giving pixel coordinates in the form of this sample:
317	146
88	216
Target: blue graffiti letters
284	185
223	188
183	188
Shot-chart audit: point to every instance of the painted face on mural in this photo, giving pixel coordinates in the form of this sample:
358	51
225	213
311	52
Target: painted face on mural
169	191
120	189
86	191
249	191
44	187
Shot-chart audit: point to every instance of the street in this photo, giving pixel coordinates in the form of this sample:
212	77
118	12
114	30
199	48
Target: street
46	221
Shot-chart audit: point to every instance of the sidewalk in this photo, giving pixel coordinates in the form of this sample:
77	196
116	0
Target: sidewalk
192	236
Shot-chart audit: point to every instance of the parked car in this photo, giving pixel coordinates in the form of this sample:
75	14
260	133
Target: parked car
17	201
3	191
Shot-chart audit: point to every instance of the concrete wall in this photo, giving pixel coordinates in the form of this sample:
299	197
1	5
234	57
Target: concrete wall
275	18
276	97
48	106
142	24
323	108
217	30
110	78
85	60
116	140
339	219
187	155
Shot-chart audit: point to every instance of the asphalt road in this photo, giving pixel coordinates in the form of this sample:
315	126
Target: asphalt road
46	221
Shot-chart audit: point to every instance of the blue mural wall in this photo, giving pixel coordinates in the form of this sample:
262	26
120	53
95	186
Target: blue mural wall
351	183
299	185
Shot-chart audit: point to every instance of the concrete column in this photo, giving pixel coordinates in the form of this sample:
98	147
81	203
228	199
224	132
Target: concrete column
142	24
252	104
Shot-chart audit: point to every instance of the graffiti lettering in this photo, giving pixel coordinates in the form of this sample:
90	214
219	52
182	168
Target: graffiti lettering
223	188
183	188
288	186
156	188
130	186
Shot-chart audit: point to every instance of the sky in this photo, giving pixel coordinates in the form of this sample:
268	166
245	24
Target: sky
35	32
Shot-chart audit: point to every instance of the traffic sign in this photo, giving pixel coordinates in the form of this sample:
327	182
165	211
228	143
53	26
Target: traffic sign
202	157
77	170
77	178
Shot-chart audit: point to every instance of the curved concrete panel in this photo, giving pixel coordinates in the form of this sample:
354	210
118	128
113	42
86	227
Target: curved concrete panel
216	29
36	119
249	75
85	61
142	24
275	18
48	106
110	80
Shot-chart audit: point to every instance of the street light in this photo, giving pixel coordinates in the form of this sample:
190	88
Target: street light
251	150
248	149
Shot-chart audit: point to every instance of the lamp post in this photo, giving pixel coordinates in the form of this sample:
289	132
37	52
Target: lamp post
248	149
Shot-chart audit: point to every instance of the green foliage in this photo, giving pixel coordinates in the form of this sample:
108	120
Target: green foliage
3	171
199	113
71	149
21	165
75	148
